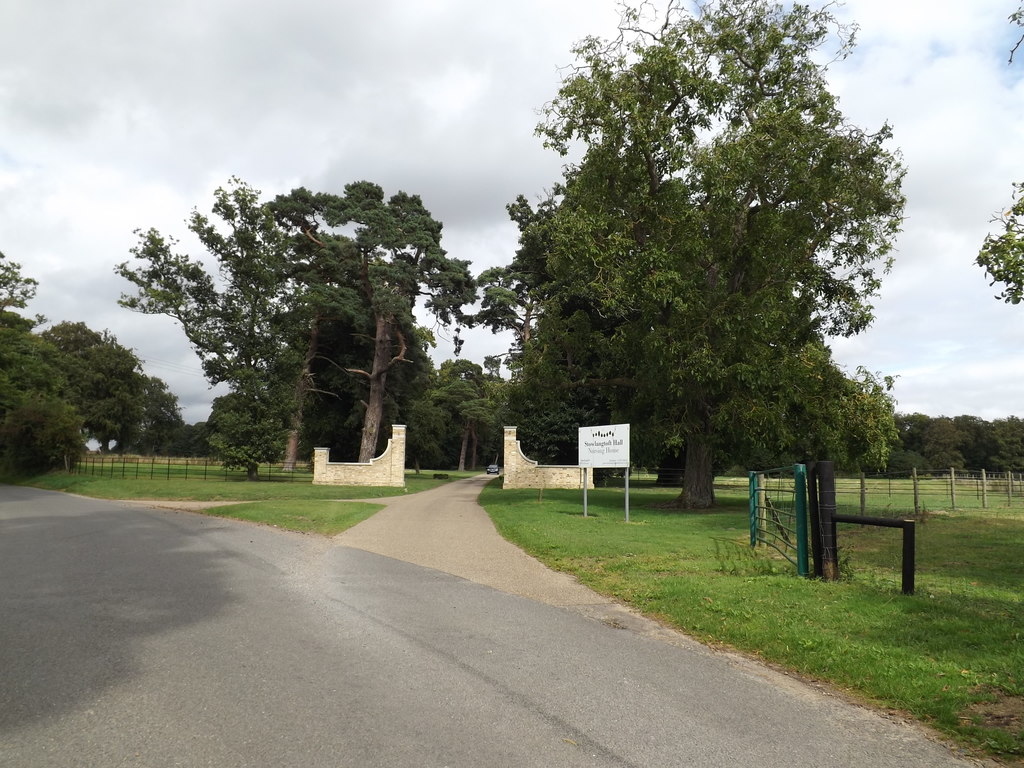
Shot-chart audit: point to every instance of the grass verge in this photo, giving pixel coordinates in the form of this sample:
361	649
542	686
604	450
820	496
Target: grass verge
295	506
327	518
951	655
222	490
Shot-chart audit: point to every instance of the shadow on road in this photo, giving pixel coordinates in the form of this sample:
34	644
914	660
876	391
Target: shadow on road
81	588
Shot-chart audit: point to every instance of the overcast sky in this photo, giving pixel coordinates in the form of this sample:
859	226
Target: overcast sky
124	114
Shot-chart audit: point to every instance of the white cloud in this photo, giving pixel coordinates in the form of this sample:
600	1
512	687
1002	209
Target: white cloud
116	115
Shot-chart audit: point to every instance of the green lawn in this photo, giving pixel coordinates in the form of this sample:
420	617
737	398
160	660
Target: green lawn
224	490
327	518
951	655
297	506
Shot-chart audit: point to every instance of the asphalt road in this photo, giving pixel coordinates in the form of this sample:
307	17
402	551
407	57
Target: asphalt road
143	637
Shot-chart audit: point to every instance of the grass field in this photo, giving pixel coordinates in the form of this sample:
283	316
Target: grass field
952	655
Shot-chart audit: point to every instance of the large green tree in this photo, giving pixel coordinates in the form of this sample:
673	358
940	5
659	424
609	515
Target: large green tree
464	394
161	420
43	433
323	269
388	251
105	382
29	365
240	321
723	215
1008	444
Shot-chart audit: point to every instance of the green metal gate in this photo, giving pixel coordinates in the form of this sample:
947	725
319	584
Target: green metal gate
778	512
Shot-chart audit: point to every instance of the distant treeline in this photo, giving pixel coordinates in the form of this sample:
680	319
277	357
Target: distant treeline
962	442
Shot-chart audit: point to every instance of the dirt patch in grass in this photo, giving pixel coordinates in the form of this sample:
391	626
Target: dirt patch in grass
999	723
1005	713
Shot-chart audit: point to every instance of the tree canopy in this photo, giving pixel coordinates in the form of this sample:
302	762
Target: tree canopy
105	383
1002	255
308	285
370	257
512	297
16	290
240	322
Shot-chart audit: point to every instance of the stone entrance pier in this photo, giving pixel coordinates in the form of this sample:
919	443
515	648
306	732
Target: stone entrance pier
388	469
522	472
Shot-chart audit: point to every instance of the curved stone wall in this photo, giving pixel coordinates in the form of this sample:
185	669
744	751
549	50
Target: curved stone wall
523	472
388	469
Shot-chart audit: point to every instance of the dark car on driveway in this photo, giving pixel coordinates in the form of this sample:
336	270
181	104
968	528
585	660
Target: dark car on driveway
493	469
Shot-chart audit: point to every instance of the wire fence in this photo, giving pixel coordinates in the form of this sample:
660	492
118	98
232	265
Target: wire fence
173	468
920	492
893	494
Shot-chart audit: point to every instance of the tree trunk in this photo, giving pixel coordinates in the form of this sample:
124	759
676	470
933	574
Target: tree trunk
698	474
291	448
378	379
472	452
253	472
462	452
302	385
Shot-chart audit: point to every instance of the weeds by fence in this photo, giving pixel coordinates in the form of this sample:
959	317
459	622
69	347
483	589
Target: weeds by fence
171	468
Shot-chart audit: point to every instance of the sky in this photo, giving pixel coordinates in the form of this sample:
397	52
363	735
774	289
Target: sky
119	115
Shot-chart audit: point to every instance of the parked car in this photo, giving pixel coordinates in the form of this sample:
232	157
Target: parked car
493	469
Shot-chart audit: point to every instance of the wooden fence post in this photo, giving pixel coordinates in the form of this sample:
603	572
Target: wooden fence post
917	494
826	511
984	490
952	487
815	518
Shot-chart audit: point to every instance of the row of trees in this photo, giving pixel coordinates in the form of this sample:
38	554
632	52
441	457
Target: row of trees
68	384
961	442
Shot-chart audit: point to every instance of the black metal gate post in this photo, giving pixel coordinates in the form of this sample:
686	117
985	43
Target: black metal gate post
909	556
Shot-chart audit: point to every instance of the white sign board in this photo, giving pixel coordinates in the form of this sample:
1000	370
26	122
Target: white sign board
606	446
